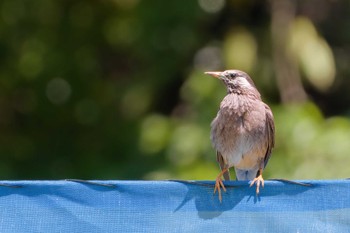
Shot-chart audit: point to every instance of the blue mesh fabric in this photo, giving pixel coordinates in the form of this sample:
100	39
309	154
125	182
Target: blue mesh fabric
173	206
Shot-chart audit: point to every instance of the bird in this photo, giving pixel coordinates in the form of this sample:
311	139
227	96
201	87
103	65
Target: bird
243	131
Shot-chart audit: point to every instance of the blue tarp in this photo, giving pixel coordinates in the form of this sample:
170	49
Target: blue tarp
173	206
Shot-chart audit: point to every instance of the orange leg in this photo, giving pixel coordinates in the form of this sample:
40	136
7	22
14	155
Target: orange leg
258	181
219	184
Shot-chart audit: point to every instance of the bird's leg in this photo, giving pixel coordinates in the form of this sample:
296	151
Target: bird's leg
258	181
219	184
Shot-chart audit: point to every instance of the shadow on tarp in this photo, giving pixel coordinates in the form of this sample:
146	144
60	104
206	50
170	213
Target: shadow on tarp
238	192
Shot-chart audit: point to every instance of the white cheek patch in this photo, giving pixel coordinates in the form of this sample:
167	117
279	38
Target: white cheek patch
243	82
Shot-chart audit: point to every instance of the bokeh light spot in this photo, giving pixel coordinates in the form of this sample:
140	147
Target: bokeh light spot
313	53
120	31
136	101
187	144
155	132
212	6
200	86
240	50
58	91
30	64
208	58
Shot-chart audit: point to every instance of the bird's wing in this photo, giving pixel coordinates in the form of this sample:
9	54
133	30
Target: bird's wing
222	164
270	128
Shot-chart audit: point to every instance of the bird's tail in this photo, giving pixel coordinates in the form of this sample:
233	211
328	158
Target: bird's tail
245	174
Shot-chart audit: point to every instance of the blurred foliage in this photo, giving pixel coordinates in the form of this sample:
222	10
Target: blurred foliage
115	89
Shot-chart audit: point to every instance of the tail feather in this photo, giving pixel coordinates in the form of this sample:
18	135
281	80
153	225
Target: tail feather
245	174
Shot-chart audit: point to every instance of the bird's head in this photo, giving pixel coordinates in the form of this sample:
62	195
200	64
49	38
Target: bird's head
236	81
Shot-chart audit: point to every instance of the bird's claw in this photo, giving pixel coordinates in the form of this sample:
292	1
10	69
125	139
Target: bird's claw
258	181
218	185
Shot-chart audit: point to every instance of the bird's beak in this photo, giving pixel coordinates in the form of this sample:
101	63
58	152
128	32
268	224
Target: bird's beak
215	74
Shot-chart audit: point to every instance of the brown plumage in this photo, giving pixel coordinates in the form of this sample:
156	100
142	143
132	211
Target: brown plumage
243	131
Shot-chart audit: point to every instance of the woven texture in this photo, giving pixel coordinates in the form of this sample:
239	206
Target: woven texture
173	206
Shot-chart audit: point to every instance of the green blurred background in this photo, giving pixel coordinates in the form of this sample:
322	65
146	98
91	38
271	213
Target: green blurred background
114	89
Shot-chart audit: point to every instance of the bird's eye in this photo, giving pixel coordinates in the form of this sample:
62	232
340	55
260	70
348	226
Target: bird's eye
232	75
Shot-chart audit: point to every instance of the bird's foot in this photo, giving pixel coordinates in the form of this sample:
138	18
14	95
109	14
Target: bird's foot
258	181
218	185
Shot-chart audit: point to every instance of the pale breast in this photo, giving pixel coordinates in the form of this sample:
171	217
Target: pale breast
237	132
